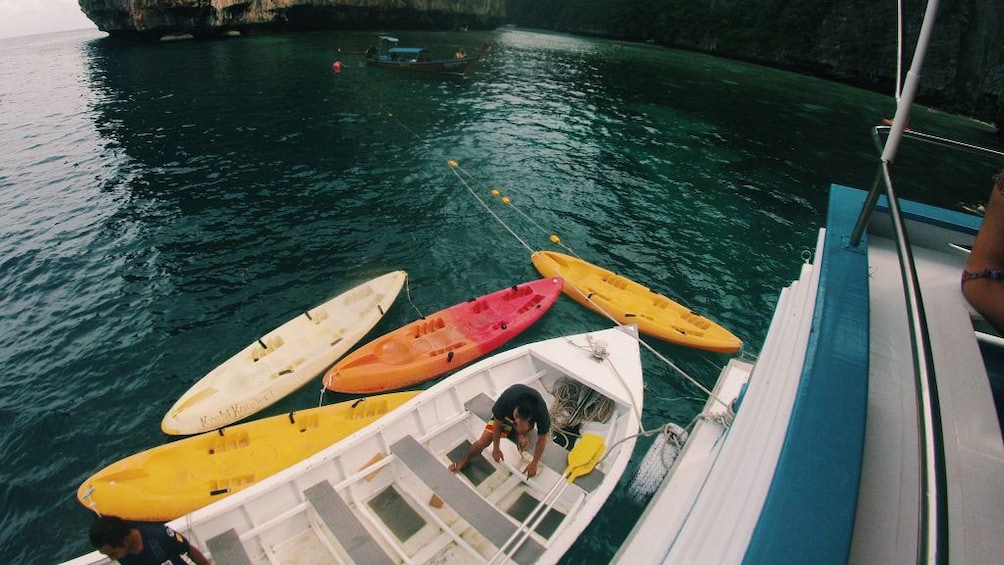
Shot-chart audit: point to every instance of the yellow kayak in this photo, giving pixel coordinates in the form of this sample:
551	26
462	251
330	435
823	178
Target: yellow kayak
168	481
631	303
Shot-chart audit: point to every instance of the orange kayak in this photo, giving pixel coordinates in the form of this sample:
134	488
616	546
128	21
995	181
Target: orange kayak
444	341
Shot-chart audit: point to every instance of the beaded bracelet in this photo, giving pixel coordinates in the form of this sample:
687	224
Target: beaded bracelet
993	274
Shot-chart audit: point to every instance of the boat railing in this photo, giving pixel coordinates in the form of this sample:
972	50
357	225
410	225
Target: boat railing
933	533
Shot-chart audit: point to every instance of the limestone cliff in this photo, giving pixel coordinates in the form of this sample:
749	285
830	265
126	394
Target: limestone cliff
154	19
852	41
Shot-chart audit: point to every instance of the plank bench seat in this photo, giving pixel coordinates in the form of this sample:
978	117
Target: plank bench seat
486	519
226	549
345	526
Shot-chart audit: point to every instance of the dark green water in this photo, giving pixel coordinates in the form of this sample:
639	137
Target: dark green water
164	205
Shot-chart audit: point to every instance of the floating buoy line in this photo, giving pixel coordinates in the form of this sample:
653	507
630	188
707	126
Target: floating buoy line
663	452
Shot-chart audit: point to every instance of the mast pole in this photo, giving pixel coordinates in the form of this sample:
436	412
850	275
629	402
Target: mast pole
902	118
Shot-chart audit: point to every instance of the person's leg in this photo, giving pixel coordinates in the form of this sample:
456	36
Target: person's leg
476	447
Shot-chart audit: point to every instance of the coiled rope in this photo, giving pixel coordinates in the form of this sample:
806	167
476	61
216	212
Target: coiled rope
575	404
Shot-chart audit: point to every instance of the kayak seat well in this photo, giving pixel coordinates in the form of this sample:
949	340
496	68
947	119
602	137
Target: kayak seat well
696	321
428	326
663	303
362	294
317	316
479	306
368	408
615	281
227	485
310	421
265	346
223	441
533	303
447	351
518	292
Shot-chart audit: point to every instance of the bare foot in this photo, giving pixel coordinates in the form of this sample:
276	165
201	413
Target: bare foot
457	466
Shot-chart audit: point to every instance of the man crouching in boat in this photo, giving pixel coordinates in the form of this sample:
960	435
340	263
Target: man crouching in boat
520	408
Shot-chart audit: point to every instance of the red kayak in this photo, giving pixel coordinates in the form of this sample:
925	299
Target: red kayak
444	341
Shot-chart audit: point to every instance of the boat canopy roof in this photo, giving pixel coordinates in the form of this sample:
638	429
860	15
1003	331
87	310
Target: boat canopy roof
407	50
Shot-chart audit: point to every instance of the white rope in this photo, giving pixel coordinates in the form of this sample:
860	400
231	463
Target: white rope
662	358
454	167
634	401
407	290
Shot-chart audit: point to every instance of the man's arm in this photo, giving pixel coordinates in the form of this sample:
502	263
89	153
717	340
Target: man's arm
196	556
496	438
538	452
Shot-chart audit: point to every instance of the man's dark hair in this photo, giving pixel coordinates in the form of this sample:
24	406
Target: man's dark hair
527	405
109	530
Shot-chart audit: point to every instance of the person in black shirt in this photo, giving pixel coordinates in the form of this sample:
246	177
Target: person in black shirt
142	544
518	409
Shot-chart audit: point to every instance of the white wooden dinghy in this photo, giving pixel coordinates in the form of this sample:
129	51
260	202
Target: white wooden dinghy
385	494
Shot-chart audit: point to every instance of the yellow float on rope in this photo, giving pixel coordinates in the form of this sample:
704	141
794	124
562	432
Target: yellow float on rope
555	239
495	192
505	200
452	163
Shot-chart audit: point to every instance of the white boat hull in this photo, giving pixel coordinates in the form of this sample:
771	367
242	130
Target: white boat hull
823	462
373	484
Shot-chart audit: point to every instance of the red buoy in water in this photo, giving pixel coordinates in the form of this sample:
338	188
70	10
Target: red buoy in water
337	65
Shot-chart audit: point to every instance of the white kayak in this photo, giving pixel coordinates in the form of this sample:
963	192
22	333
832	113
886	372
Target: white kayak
283	360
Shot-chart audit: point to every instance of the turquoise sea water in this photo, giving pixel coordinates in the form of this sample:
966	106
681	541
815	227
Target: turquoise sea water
164	205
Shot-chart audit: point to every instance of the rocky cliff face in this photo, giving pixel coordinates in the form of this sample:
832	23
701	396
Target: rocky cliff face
852	41
155	19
